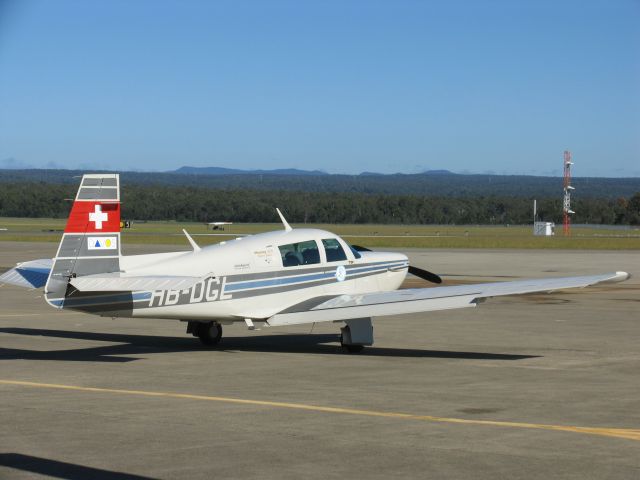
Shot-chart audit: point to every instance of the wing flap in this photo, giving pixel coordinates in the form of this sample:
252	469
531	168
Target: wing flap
417	300
392	305
32	274
116	282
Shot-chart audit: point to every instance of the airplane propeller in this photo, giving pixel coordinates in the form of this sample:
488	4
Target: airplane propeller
425	274
418	272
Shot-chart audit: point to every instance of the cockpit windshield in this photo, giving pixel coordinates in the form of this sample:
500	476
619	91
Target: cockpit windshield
334	250
301	253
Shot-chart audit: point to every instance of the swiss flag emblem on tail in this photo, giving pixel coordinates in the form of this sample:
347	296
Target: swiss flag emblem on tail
98	216
94	217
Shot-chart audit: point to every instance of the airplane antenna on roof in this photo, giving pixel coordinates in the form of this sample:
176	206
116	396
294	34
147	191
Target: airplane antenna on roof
195	246
287	227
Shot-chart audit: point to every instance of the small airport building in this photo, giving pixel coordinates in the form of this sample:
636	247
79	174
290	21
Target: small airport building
545	229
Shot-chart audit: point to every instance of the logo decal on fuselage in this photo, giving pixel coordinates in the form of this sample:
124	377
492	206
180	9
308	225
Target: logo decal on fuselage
341	273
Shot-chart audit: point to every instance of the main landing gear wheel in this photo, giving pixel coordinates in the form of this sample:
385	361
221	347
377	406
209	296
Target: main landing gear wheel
349	347
209	333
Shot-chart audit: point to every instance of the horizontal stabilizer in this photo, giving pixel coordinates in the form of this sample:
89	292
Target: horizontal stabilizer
118	282
397	302
31	274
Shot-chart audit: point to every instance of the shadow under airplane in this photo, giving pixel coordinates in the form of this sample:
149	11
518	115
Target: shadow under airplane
127	344
56	469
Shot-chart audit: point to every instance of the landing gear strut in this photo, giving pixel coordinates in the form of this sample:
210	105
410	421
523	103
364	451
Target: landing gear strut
357	333
209	333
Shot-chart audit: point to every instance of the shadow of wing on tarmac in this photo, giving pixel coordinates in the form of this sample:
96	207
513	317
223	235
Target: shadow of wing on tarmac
56	469
148	344
125	345
317	343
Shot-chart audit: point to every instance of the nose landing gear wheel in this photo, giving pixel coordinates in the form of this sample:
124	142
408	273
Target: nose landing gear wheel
209	333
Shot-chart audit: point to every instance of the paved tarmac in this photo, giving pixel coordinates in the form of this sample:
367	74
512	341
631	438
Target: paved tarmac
506	390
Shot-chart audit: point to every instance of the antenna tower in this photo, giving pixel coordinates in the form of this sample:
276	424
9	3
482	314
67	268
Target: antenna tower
566	203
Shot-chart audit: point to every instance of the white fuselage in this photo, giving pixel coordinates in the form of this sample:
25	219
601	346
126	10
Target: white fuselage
246	278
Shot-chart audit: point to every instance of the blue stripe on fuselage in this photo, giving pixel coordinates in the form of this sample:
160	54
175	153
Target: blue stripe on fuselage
101	299
273	282
229	287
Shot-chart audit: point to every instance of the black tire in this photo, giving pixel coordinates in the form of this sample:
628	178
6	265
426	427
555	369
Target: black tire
210	333
351	348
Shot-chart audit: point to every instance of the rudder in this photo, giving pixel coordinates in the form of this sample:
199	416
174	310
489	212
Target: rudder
91	240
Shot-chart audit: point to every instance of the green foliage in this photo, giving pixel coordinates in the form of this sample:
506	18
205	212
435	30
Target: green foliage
441	185
198	204
633	210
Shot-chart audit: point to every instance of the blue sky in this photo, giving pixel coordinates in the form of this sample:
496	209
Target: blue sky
342	86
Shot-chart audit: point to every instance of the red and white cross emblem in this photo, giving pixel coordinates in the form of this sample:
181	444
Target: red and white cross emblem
98	216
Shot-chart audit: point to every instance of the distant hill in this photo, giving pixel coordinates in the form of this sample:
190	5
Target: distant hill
443	184
186	170
427	172
438	172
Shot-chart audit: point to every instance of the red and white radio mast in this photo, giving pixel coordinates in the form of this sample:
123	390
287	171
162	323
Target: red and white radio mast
566	203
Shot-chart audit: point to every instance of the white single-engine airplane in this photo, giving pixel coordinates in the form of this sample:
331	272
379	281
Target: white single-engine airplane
286	277
218	225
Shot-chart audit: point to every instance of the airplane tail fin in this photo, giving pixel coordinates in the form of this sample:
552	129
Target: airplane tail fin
91	240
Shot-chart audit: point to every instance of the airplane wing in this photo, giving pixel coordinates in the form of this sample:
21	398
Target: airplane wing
116	282
345	307
31	274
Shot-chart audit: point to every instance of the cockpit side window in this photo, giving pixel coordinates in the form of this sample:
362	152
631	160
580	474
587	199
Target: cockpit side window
302	253
334	250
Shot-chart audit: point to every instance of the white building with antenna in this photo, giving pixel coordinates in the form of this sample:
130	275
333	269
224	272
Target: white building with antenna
542	229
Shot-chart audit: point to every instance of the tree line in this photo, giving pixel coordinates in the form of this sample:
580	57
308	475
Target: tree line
440	185
183	203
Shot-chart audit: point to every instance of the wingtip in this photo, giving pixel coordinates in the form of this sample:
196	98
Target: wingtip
623	275
619	277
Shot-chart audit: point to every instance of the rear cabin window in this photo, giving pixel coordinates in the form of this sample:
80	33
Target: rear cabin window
303	253
334	250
